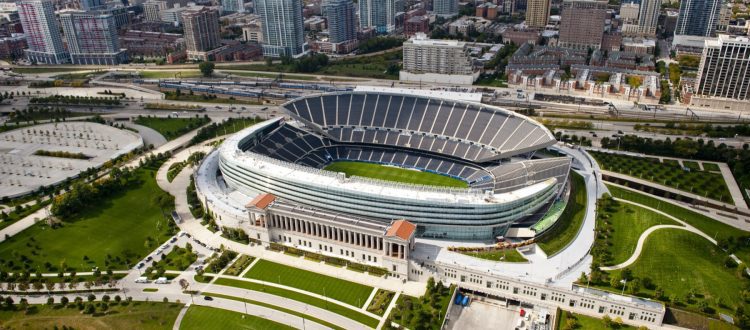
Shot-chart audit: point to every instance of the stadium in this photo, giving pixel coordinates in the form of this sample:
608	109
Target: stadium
457	169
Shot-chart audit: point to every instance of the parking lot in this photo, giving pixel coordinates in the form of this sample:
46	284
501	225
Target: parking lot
485	313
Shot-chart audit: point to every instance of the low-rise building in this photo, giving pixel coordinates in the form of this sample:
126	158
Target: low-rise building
12	47
417	24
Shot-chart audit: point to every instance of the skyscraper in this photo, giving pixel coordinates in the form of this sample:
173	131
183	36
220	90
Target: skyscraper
648	16
582	25
698	17
724	71
445	8
233	6
92	38
201	31
378	14
283	27
342	20
537	13
42	32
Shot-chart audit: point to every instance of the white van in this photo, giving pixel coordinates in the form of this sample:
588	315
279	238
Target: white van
142	279
162	280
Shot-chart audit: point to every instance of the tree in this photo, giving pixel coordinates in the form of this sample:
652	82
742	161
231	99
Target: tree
207	68
64	301
607	321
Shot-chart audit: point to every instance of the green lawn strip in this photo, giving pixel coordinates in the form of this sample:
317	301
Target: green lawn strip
681	262
203	278
133	315
728	237
265	75
44	70
301	297
566	228
397	174
351	293
506	255
570	320
207	98
172	128
711	167
380	302
668	173
170	74
238	266
208	318
150	290
96	232
278	308
627	223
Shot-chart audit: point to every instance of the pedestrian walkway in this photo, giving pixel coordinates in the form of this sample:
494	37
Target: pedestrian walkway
642	239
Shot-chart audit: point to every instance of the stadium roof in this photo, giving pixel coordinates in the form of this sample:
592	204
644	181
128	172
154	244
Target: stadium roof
365	186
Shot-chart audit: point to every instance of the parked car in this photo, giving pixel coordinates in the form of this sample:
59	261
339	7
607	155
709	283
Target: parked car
208	298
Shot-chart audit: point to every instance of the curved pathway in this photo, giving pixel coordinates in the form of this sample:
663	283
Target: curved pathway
645	234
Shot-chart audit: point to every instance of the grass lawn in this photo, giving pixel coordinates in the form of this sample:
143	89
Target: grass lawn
206	98
207	318
507	255
702	183
624	225
135	315
584	322
720	231
711	167
238	266
172	128
354	294
32	70
301	297
693	166
267	75
170	74
397	174
177	259
282	309
567	226
95	233
679	261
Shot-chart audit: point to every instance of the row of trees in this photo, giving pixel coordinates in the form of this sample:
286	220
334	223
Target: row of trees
226	127
83	194
71	99
737	159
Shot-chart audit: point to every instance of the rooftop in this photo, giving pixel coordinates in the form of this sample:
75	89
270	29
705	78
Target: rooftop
402	229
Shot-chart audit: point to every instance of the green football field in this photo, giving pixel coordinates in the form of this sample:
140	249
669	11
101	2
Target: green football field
397	174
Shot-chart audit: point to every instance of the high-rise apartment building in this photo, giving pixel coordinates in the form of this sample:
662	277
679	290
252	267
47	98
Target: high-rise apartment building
92	38
698	17
92	4
233	6
582	24
378	14
433	60
629	12
724	74
445	8
42	32
283	27
537	13
342	20
202	32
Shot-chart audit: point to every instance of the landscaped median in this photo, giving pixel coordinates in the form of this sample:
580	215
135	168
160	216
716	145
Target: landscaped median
301	297
204	318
